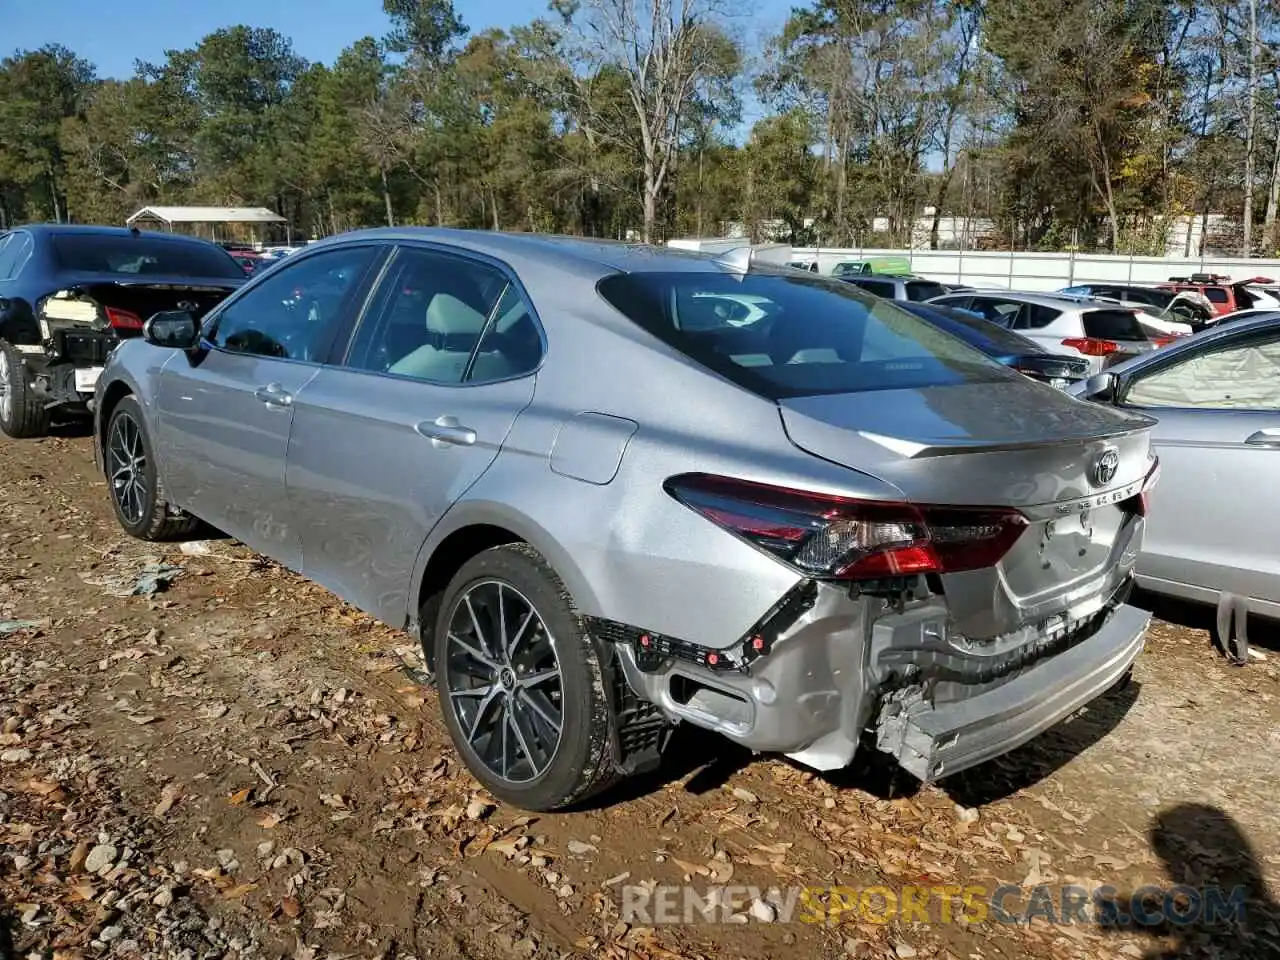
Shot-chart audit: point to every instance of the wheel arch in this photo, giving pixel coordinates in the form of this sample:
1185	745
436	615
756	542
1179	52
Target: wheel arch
470	528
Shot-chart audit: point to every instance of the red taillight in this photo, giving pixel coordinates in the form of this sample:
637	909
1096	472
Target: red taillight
123	319
850	539
1092	346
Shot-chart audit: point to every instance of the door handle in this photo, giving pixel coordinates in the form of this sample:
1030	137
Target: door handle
1264	438
274	395
446	432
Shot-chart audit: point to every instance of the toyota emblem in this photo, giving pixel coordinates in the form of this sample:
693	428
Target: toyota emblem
1105	467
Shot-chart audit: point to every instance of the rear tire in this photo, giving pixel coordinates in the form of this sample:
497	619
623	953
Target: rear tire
137	495
520	682
22	414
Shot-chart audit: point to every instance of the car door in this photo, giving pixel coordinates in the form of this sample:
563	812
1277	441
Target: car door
439	367
224	415
1212	526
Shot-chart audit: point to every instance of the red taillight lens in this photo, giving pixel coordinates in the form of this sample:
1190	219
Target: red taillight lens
1165	341
123	319
1092	346
845	538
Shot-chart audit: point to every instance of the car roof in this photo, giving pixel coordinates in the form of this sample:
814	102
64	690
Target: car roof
615	255
1044	299
95	230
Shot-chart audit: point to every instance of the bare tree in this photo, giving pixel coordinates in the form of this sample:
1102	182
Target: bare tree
665	50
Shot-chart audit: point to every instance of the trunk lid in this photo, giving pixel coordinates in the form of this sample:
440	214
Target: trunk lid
1009	444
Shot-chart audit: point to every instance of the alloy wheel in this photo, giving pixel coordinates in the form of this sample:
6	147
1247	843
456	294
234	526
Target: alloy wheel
503	681
6	387
126	466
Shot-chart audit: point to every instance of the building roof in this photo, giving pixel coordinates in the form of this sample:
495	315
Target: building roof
207	215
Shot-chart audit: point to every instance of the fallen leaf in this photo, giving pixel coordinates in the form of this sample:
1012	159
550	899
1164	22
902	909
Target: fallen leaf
291	907
238	891
142	719
692	869
170	795
240	796
272	820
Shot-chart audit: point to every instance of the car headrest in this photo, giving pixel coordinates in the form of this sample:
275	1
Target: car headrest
448	314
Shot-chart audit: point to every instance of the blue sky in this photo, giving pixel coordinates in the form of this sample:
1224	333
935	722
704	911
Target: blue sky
113	35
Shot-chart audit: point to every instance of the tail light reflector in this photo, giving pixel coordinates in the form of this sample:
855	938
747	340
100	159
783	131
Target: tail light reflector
1165	341
1092	346
123	319
844	538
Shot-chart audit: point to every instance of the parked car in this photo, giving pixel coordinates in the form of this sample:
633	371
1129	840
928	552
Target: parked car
249	262
1212	526
1102	332
833	521
885	266
1003	346
69	294
915	289
809	265
1222	293
1165	306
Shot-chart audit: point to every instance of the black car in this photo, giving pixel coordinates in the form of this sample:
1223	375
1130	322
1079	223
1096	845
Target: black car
69	294
1005	346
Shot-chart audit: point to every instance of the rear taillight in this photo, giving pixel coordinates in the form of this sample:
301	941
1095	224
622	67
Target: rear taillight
123	319
849	539
1165	341
1092	346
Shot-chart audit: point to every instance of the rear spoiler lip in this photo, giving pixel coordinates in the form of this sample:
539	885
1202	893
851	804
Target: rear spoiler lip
924	449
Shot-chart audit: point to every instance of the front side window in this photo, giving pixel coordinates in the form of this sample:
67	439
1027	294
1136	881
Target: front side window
1002	312
1242	376
807	336
294	312
449	320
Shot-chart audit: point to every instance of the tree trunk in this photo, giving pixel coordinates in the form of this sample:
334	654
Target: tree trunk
53	194
386	197
493	206
1250	132
650	200
1273	197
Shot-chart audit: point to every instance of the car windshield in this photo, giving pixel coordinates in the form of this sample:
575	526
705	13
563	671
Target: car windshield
804	335
117	253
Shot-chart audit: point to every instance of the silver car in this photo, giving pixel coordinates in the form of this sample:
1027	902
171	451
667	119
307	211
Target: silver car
605	507
1212	529
1103	332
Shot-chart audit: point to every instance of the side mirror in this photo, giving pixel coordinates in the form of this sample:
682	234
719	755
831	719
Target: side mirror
172	328
1101	386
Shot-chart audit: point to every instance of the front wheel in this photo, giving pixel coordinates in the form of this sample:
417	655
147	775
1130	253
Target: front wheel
520	682
22	414
136	492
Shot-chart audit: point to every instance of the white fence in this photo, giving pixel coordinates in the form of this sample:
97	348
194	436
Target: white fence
1042	271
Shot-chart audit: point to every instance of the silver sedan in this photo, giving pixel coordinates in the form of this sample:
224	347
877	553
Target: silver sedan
1212	528
607	503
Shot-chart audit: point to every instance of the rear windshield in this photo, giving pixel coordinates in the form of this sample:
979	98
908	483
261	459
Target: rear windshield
881	288
924	290
804	335
1113	325
107	253
1216	294
1157	298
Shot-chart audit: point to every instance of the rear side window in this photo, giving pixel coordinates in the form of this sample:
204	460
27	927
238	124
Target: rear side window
142	256
881	288
1113	325
808	335
1215	294
1038	315
919	290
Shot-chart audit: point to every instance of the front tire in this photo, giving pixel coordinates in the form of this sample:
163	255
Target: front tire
22	414
137	496
520	682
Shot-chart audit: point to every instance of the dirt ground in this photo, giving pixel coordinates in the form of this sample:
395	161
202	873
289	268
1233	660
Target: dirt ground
240	766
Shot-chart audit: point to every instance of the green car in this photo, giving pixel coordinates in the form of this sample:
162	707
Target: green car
890	266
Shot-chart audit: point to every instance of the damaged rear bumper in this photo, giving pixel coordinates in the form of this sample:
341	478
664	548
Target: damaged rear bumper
936	740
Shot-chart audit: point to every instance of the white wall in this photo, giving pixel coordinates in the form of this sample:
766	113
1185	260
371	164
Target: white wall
1046	271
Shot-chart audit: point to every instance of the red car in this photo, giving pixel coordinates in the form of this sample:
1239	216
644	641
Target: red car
1223	294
